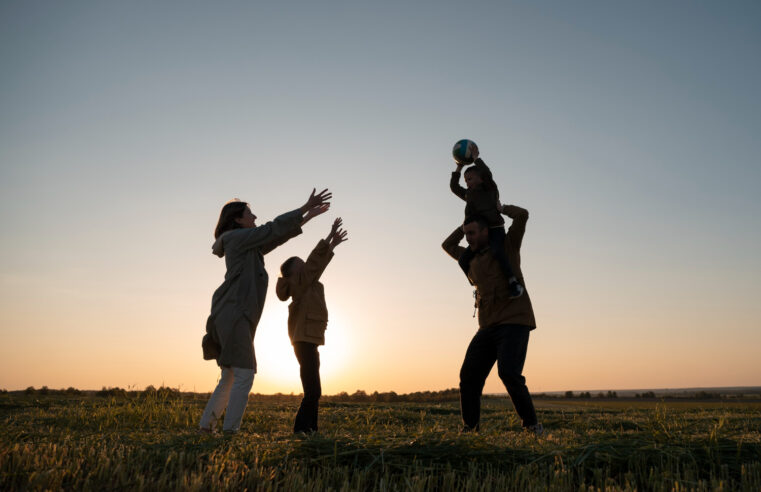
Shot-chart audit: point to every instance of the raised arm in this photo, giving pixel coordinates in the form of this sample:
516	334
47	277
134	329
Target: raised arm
483	170
316	263
518	228
452	243
269	236
454	182
276	232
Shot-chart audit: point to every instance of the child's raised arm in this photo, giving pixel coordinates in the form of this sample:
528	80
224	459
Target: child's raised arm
337	235
454	182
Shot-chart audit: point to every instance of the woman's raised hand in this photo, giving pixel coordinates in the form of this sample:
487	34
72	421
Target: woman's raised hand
316	200
316	205
314	212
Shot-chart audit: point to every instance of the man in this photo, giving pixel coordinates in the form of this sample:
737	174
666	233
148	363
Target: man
504	323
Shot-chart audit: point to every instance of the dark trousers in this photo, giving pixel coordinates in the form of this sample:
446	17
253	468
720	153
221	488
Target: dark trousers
497	248
506	345
309	363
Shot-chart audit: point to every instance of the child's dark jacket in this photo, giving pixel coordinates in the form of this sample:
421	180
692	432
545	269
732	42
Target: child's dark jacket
481	200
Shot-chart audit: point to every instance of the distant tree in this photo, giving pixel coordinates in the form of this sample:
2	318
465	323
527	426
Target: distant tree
586	394
389	397
30	390
612	394
44	390
600	395
116	391
359	395
569	394
705	395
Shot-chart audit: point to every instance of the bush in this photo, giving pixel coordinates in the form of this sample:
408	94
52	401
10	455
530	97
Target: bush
117	392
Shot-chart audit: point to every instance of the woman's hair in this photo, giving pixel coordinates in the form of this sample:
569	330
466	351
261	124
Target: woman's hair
232	210
285	268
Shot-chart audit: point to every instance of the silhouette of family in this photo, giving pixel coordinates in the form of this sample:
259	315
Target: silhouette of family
491	262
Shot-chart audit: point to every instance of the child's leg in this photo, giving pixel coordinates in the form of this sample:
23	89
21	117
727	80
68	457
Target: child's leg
497	246
218	401
465	259
243	380
309	364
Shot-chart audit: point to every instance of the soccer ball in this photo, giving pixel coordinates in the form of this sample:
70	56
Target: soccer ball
465	151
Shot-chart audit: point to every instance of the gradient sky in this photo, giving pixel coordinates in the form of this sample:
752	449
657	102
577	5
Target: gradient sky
630	131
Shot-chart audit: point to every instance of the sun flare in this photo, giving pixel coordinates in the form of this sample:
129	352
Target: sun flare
278	369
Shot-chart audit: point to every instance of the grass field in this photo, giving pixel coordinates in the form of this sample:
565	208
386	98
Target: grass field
150	442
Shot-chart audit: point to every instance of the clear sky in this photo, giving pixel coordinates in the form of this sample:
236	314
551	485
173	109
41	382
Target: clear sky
629	130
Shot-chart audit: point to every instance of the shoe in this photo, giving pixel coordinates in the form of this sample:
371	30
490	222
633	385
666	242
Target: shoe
466	429
516	289
536	429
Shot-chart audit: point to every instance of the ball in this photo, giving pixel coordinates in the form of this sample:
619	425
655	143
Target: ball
465	151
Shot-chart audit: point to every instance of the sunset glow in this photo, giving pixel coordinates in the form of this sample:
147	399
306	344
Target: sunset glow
629	132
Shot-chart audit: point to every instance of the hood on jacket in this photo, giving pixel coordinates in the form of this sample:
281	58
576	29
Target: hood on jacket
218	248
283	288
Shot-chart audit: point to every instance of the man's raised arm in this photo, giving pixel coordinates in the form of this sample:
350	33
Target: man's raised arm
518	228
452	243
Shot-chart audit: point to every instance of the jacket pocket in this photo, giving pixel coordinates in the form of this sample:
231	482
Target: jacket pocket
317	314
315	325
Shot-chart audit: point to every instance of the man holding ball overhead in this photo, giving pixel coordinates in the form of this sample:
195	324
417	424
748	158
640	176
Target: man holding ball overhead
504	321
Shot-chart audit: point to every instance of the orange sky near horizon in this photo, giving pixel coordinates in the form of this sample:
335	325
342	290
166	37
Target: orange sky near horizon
629	132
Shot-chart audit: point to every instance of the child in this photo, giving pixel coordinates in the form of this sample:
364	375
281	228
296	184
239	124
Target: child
308	319
482	198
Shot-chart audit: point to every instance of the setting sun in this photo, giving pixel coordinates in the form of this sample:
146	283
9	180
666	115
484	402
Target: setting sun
278	369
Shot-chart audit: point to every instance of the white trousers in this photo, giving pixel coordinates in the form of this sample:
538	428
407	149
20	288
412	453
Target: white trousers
231	393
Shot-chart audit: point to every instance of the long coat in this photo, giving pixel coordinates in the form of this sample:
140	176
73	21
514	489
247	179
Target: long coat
308	312
238	303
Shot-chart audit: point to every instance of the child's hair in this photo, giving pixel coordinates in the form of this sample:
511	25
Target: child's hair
285	268
487	178
232	210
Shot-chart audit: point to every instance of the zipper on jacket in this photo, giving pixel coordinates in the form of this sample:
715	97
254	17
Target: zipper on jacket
475	302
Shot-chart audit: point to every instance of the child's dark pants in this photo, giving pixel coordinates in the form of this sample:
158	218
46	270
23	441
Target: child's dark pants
309	362
497	247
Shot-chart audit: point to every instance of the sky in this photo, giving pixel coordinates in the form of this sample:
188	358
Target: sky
629	130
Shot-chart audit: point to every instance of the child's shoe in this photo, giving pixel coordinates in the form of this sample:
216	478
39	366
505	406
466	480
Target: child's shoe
536	429
515	288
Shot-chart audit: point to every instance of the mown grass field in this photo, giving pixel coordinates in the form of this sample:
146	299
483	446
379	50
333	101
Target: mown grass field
150	442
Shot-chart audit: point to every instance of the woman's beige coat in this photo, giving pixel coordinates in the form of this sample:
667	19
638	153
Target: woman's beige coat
237	304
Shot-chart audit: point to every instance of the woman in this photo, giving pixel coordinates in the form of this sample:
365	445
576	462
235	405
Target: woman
237	304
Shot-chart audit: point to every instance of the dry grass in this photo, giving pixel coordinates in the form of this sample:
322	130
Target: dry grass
86	442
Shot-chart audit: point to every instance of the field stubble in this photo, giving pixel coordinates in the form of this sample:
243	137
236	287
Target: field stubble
88	442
